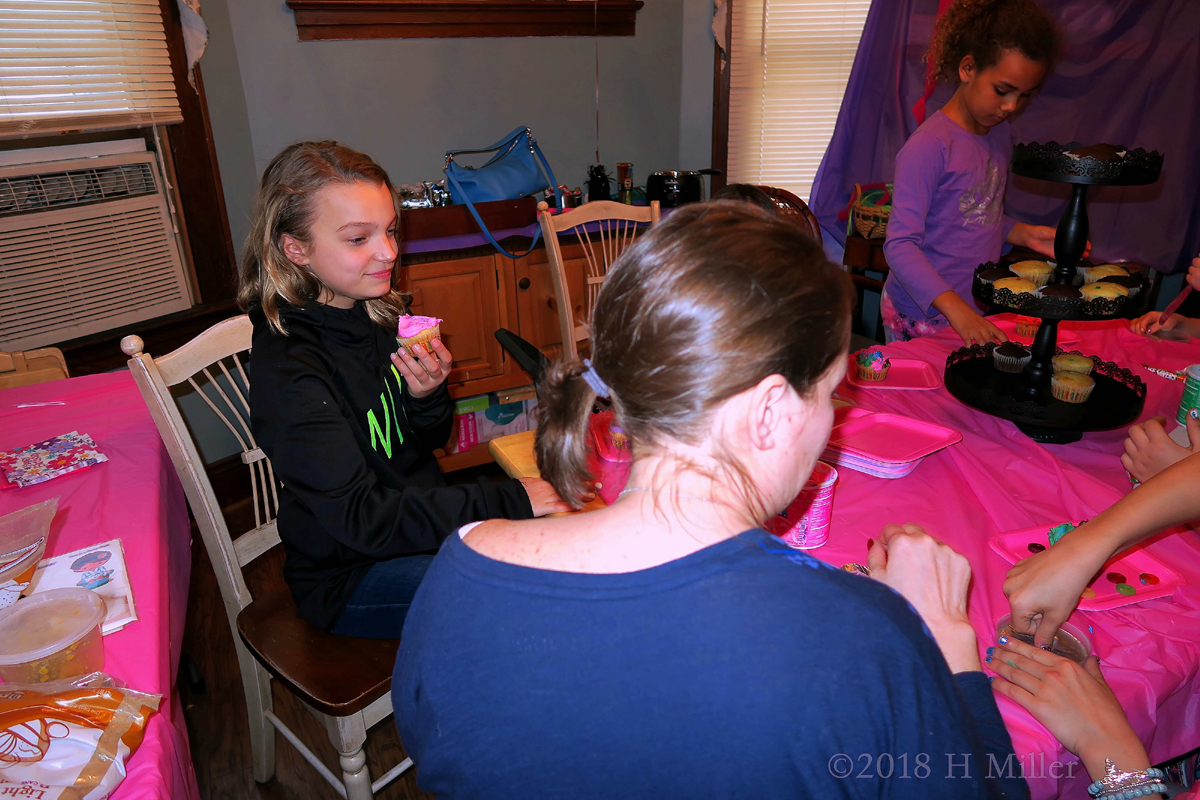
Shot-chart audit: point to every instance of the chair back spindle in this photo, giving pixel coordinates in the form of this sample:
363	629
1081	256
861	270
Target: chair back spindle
604	230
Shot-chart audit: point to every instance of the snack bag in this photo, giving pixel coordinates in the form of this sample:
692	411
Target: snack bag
69	741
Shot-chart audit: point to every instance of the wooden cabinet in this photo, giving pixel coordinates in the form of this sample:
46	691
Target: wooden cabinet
478	293
465	294
537	309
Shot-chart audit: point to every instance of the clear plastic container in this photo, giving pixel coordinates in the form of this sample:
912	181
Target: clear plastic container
1070	641
52	635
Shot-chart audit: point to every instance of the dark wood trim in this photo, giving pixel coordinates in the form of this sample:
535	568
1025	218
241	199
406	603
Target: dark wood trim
435	19
720	140
197	175
101	352
456	220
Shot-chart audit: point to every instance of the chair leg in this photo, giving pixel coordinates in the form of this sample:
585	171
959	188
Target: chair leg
348	735
256	683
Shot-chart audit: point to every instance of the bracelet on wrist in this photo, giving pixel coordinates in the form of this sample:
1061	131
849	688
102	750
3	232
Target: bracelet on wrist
1117	784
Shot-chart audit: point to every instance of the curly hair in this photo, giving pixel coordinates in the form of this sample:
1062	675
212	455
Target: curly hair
985	29
285	204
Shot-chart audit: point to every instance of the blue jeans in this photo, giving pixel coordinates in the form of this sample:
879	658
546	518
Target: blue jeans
380	603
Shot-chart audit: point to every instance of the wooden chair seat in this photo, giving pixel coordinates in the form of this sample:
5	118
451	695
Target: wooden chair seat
337	675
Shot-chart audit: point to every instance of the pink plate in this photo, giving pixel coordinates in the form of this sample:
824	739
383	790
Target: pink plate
887	438
1148	577
905	373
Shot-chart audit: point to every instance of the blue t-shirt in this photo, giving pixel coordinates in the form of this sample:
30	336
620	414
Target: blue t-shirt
746	669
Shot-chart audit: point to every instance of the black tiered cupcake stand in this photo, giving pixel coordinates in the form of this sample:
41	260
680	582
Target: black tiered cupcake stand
1025	397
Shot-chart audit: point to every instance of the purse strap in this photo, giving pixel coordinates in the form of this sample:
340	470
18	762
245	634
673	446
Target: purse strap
507	140
483	227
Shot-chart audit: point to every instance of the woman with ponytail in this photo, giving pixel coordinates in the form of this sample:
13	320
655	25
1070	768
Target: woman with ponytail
948	210
666	646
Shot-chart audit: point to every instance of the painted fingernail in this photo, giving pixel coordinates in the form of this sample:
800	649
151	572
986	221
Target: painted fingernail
991	678
1045	647
870	543
1011	664
1194	413
1003	640
991	650
987	660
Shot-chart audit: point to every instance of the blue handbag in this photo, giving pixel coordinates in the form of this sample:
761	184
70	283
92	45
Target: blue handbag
518	169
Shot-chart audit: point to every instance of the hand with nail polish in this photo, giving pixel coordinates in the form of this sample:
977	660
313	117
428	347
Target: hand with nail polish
424	370
1044	588
934	580
1073	701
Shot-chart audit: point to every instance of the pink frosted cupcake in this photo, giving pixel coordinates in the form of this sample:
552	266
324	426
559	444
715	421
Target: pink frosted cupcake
418	330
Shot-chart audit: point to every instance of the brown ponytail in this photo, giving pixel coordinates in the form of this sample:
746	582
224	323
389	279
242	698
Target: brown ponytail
985	29
701	308
565	401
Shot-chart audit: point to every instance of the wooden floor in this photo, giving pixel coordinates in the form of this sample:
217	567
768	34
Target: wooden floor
216	716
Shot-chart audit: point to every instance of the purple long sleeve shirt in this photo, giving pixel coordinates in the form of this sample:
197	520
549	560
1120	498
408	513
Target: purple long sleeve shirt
947	212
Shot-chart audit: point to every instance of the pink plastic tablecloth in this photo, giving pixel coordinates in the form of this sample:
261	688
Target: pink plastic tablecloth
136	496
998	480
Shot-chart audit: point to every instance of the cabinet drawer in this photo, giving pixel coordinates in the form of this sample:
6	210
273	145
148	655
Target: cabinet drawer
537	310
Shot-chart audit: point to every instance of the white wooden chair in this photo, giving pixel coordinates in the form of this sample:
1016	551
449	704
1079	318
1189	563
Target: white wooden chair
27	367
345	682
604	229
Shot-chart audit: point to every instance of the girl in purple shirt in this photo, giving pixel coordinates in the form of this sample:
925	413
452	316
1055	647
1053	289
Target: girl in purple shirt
948	213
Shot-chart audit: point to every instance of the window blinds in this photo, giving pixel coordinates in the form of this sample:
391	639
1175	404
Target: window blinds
83	65
789	63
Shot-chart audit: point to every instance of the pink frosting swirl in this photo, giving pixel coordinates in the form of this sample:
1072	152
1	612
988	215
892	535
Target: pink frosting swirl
411	326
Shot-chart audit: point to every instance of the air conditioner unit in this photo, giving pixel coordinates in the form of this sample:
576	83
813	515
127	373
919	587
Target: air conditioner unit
85	246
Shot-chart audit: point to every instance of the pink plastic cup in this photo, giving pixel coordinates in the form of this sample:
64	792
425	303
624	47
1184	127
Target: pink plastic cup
809	514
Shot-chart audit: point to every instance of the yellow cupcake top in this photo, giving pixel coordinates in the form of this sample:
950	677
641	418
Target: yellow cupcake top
1075	380
1068	361
1095	291
1024	268
1104	271
1016	285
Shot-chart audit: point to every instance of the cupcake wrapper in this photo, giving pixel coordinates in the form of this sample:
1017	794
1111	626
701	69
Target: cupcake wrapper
1010	363
423	338
1070	394
869	374
1027	329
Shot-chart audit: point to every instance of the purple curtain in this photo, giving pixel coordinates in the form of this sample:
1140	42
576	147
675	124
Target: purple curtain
1130	75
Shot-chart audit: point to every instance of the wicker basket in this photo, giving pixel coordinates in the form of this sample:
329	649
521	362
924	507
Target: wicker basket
870	220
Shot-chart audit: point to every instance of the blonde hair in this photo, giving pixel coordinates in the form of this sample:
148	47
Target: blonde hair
284	204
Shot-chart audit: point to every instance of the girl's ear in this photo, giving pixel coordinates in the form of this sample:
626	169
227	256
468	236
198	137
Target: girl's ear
966	68
766	410
296	252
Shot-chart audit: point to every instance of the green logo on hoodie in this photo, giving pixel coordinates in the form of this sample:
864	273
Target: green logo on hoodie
383	433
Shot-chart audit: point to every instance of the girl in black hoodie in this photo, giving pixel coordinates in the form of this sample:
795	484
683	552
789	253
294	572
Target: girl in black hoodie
348	422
